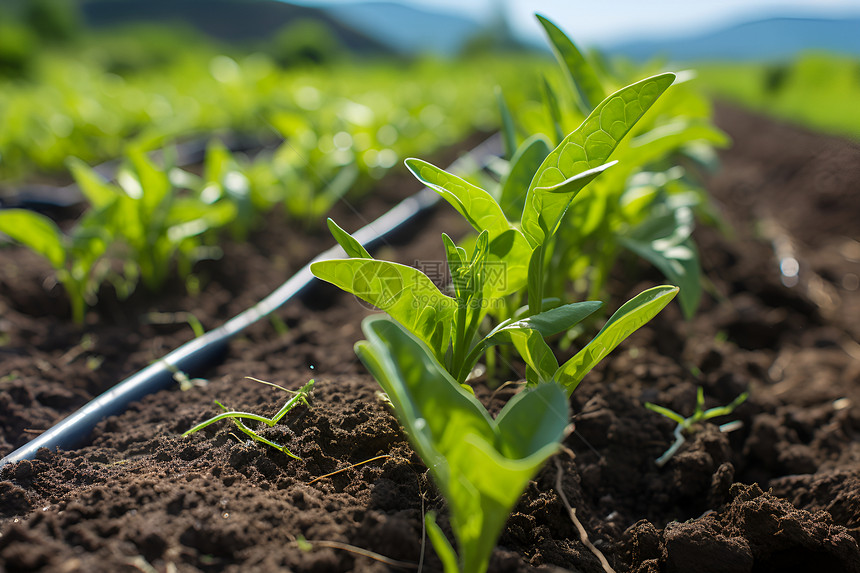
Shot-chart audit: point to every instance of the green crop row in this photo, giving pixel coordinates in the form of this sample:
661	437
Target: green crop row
343	127
78	104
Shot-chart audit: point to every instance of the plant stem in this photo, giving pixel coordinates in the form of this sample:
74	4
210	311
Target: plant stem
536	297
459	338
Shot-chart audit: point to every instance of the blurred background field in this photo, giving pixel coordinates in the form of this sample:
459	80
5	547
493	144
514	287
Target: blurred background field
369	83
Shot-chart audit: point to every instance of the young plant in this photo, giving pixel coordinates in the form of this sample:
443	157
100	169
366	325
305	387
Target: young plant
523	247
480	465
646	204
450	326
687	426
74	256
300	396
149	216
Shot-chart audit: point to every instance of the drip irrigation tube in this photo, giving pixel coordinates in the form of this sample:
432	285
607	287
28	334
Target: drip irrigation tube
194	356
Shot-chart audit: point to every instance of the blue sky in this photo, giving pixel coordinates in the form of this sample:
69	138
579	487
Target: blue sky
612	21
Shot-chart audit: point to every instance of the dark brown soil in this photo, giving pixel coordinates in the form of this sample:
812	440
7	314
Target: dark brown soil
782	493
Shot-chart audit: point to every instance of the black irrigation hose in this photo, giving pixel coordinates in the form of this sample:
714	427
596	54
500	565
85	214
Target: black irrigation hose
195	355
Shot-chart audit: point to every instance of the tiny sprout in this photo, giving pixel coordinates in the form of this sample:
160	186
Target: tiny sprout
691	425
300	396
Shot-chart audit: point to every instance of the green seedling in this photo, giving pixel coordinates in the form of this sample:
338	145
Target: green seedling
152	220
300	396
522	246
481	465
687	426
139	225
508	258
74	256
644	205
448	325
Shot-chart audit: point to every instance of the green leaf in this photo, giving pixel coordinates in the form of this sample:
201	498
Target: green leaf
725	410
508	247
475	204
94	187
668	137
154	181
506	268
533	349
572	185
531	419
581	74
627	319
665	241
36	232
217	163
524	164
671	414
553	321
588	147
471	457
679	264
353	248
188	217
441	544
553	108
405	293
509	135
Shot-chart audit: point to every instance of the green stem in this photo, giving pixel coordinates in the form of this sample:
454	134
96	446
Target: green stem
536	296
459	338
471	360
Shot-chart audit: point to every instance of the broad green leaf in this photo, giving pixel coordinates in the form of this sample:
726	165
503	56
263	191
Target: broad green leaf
572	185
554	320
154	181
405	293
581	74
531	419
189	217
679	263
524	164
36	232
665	242
506	268
658	143
588	147
475	204
508	248
353	248
627	319
435	410
97	191
533	349
470	457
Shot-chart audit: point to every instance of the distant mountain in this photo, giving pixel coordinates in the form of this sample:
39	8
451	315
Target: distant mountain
768	39
226	20
407	29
